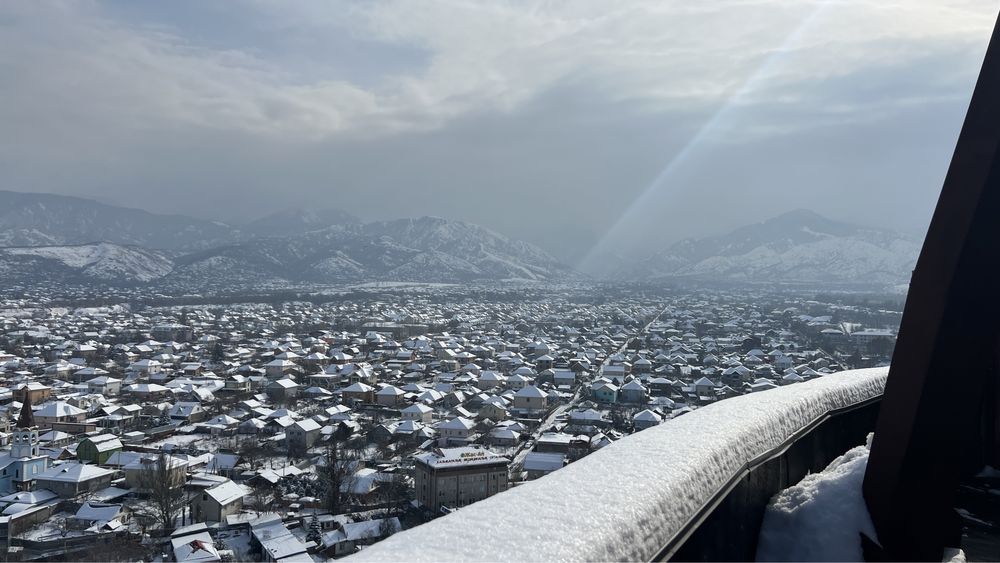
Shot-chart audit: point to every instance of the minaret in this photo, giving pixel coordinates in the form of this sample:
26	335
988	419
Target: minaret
24	441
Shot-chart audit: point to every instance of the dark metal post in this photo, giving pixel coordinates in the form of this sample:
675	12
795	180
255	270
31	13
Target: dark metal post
930	424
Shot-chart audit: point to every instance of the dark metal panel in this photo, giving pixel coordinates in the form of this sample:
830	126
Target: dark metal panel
946	352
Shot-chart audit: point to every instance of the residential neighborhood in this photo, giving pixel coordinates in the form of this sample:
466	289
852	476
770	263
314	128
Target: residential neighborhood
304	430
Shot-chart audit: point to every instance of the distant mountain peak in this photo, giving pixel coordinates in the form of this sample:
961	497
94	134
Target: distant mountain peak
799	245
298	220
295	244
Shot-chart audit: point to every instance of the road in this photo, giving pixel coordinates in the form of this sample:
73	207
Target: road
550	420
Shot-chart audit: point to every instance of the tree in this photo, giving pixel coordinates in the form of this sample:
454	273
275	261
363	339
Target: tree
296	450
218	353
395	492
337	473
262	493
387	527
314	534
164	486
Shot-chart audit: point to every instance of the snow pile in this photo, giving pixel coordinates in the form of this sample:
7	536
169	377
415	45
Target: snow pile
821	518
627	500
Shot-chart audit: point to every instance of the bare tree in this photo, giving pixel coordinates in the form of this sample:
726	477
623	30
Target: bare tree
395	491
164	486
262	493
337	474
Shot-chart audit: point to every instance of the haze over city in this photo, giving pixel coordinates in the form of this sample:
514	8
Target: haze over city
296	281
582	127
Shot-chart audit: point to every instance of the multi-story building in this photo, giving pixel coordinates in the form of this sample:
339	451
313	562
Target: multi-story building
455	477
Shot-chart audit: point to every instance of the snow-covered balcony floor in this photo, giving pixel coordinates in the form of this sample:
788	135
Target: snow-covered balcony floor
630	500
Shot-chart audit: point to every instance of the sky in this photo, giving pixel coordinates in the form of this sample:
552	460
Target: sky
591	129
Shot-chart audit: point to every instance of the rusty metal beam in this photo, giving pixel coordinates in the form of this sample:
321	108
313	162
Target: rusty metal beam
930	427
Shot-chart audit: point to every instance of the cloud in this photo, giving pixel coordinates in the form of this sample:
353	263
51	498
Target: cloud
546	120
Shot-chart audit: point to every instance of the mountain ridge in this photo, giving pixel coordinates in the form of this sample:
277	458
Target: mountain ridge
798	245
294	245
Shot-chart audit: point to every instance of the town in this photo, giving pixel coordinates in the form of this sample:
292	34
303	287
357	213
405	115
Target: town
161	427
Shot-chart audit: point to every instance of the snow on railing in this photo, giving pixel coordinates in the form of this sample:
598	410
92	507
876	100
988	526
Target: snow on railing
627	500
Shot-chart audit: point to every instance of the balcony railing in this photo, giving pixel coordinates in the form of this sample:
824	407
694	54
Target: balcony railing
668	491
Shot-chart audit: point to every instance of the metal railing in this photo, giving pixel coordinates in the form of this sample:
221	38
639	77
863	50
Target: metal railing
694	487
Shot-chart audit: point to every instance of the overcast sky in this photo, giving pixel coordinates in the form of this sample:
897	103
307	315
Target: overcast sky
584	127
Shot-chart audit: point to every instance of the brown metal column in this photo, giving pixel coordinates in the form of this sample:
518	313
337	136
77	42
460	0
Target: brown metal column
930	423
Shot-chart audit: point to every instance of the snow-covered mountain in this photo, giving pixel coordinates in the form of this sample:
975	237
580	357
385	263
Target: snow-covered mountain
105	262
427	249
48	219
297	221
77	237
796	246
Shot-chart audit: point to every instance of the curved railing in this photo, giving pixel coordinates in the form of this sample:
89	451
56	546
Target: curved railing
648	495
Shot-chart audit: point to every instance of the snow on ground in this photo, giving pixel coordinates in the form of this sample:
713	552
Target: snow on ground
821	517
625	501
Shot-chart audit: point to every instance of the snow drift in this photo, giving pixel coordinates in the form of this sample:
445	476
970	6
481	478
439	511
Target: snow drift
821	518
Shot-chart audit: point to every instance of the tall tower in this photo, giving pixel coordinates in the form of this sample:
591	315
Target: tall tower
24	441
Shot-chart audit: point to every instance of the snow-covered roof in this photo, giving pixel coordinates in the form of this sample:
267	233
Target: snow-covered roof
460	457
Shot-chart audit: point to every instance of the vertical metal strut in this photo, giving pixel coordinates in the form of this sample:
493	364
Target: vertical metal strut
940	399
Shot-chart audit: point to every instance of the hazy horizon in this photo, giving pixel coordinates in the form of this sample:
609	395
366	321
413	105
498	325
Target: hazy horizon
579	127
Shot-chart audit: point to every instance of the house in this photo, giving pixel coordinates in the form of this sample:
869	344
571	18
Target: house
39	392
237	383
604	392
187	411
537	464
276	369
358	391
97	449
489	379
588	417
347	536
632	392
646	419
390	396
704	387
104	385
455	431
139	471
517	381
302	435
494	411
146	367
215	503
562	377
275	543
97	517
58	415
282	390
194	544
530	398
221	463
417	412
72	479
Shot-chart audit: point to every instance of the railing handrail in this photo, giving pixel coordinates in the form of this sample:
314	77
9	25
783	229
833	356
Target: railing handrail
638	496
675	542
